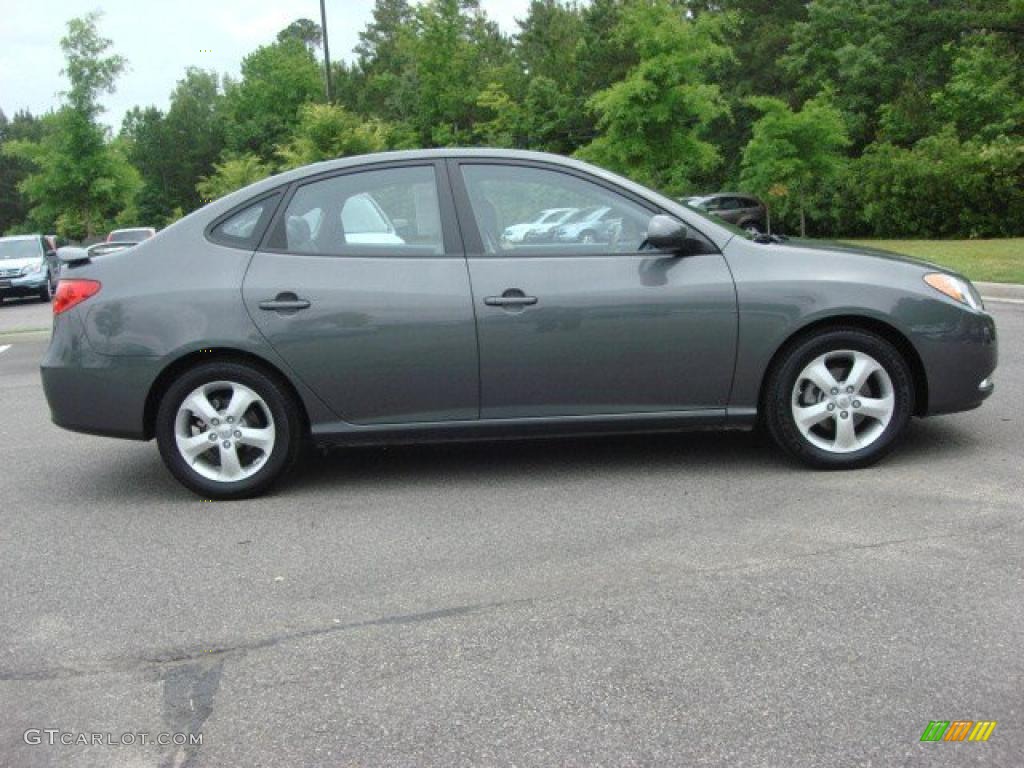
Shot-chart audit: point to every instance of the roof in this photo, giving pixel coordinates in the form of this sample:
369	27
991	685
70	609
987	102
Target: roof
21	237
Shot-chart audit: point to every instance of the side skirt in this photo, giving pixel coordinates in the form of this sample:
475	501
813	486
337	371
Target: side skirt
344	433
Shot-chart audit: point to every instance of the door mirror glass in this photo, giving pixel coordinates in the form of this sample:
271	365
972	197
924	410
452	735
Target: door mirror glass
667	234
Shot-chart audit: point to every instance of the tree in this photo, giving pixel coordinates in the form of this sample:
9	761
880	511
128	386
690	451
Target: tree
983	96
942	187
327	131
457	53
793	157
13	170
80	182
306	31
263	107
231	173
654	123
197	130
150	149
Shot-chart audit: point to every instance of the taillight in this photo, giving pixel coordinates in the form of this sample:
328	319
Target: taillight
72	292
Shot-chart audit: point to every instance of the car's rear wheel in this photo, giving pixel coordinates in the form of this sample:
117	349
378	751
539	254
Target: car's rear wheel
227	430
839	399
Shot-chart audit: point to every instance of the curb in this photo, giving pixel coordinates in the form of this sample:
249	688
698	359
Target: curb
1012	293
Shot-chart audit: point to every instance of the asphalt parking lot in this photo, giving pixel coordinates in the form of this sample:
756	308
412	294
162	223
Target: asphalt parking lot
673	600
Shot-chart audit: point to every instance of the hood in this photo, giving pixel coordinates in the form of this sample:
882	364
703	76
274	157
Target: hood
18	264
848	249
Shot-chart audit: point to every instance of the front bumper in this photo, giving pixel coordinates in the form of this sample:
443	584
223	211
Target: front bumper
29	285
959	362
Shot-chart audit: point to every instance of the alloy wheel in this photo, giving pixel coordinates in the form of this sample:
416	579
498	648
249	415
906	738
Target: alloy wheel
224	431
843	401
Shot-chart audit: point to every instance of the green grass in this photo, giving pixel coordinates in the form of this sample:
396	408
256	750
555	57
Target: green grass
996	261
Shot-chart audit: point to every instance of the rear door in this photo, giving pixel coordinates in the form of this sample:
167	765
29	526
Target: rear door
361	286
589	323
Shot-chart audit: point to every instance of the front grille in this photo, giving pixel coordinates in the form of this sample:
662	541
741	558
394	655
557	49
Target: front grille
9	272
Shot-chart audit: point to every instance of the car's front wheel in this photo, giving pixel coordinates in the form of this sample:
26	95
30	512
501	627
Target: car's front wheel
839	399
227	430
47	291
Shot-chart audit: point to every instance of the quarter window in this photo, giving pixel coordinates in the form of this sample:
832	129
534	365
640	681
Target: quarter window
510	202
243	229
391	211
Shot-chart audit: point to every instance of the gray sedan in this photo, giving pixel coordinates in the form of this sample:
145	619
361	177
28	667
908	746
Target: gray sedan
271	317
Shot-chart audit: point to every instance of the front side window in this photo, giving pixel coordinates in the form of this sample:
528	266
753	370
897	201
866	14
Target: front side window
391	211
508	202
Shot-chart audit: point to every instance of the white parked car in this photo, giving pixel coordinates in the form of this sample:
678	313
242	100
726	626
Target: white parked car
546	220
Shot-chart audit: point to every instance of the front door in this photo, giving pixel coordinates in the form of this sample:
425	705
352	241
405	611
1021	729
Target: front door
361	286
580	320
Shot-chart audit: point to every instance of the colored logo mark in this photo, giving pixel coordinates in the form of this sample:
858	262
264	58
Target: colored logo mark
958	730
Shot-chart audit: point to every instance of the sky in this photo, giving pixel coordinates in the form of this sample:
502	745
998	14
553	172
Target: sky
160	38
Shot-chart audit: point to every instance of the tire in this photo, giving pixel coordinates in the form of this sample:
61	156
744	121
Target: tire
272	425
846	430
46	292
754	227
588	238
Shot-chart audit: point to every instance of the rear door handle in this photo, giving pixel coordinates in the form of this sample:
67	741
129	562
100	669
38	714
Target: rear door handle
284	302
513	297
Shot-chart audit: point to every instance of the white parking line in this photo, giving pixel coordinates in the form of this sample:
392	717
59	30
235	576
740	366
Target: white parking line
4	348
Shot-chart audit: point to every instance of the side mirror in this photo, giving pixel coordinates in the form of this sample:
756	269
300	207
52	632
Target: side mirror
666	233
71	254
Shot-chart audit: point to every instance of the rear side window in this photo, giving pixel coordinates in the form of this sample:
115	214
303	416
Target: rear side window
393	211
243	228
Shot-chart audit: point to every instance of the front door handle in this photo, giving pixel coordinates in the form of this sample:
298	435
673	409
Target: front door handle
284	302
513	297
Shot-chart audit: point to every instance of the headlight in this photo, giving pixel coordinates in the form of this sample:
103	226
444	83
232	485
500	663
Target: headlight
32	269
956	288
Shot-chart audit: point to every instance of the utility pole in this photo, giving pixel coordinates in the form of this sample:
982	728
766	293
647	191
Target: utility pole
327	51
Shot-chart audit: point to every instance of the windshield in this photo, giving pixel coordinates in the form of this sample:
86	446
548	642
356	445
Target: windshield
20	249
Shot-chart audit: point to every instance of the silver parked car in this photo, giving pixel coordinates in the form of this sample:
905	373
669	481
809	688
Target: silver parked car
28	267
237	333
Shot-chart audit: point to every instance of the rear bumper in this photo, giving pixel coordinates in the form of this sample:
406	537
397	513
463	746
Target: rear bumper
93	393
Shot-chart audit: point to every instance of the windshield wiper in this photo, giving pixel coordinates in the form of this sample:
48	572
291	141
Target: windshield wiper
763	238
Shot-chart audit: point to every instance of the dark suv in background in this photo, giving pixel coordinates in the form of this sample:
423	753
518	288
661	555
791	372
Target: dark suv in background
745	211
